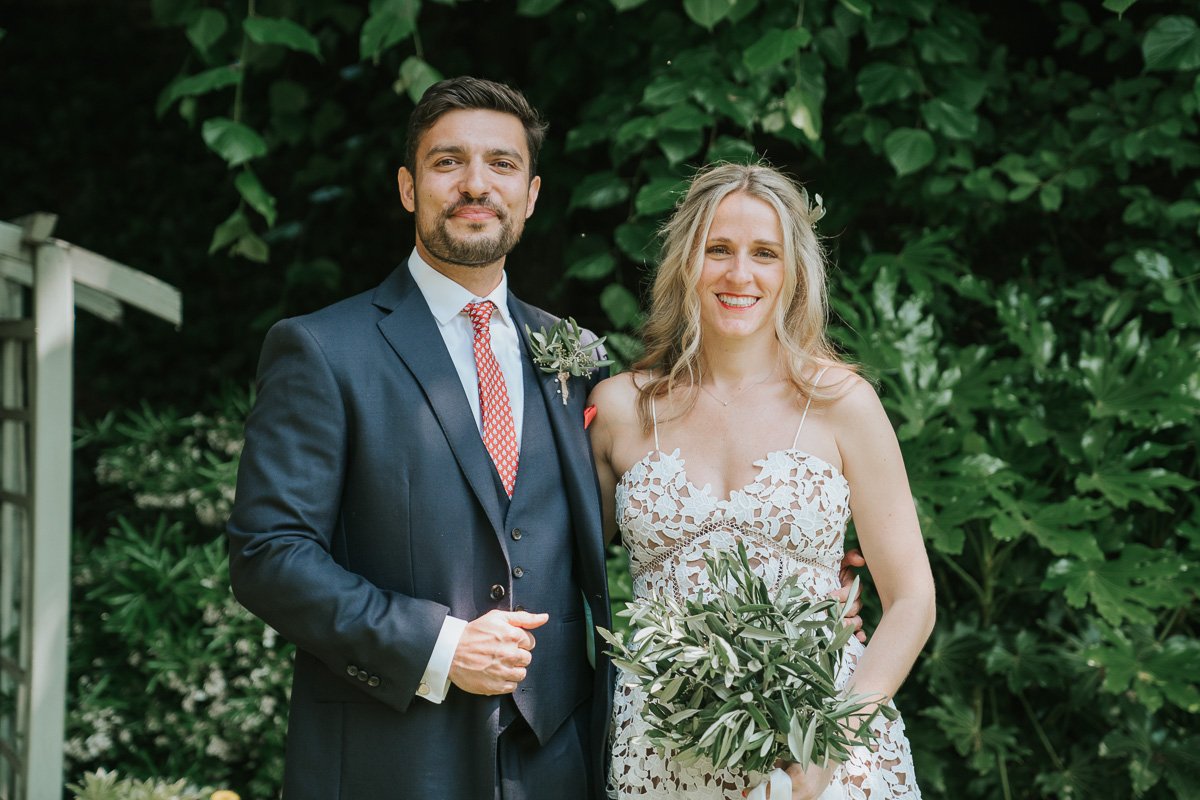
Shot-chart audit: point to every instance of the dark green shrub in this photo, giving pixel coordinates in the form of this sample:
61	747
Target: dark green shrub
169	675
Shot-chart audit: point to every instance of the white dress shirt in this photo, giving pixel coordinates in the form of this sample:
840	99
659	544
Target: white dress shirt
446	300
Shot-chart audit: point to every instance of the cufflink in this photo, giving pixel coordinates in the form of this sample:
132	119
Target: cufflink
423	689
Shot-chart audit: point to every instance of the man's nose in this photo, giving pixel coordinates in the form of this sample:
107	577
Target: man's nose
474	182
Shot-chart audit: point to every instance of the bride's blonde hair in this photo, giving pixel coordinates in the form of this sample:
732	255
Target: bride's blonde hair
672	360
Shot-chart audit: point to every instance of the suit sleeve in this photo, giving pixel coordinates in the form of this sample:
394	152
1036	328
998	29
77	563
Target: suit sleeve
288	506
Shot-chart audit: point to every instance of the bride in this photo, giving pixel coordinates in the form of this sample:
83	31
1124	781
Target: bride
741	424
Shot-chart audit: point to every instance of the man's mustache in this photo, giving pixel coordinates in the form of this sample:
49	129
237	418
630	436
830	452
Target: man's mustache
486	205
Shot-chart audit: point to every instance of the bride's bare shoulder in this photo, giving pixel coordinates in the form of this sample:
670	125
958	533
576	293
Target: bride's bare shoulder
853	396
617	396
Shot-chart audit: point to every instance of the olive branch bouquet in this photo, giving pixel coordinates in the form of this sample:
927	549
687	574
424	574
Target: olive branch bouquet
741	677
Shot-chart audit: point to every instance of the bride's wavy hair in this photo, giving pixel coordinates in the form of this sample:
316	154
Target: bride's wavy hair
671	333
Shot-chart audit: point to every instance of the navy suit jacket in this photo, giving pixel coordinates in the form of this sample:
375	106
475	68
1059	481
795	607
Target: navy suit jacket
367	511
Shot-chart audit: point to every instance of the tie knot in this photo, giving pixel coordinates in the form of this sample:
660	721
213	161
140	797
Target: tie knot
480	313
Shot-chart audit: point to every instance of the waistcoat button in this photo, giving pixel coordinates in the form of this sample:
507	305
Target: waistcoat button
518	572
516	534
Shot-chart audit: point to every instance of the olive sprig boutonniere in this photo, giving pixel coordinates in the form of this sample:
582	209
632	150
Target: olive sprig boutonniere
561	353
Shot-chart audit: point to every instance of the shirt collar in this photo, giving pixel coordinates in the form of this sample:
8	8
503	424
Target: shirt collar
446	298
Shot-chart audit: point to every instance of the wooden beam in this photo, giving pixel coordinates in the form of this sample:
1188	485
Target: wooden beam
54	310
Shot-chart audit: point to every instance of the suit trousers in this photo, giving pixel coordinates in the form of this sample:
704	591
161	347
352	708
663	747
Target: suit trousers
556	770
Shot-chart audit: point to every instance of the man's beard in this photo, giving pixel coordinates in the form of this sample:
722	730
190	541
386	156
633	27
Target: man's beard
478	251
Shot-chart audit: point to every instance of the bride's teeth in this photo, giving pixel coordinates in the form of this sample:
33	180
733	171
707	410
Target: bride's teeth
741	302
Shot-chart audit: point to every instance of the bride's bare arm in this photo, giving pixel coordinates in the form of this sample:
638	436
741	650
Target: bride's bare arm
601	436
890	536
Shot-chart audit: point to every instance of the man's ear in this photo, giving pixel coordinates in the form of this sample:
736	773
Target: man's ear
534	186
408	189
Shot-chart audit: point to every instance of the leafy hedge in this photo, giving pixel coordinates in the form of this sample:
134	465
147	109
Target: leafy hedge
1013	214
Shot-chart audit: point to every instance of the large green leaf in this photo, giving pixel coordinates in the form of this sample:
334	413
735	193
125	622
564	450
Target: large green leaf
233	141
666	90
1119	6
206	28
909	150
282	32
682	117
1172	44
884	30
679	145
659	195
880	82
707	12
861	8
774	47
229	231
253	192
201	83
415	77
620	305
804	111
638	239
1128	587
599	190
1060	528
949	120
390	22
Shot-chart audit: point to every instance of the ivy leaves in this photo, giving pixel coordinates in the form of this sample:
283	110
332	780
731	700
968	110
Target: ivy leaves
1173	43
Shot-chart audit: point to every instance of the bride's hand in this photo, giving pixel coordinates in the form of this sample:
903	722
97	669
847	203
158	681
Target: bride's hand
810	783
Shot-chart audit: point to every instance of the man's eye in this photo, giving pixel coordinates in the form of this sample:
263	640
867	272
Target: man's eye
505	165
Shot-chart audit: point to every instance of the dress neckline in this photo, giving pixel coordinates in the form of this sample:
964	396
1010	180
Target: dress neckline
803	455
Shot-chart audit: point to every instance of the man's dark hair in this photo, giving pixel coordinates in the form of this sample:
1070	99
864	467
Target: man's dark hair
466	94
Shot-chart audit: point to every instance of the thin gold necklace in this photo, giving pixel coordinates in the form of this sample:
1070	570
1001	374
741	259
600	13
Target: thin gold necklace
738	393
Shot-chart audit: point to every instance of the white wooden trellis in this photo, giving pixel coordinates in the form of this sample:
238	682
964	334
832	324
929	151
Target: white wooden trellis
42	281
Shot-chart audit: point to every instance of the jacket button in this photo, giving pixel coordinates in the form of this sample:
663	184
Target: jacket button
498	592
373	681
519	607
518	572
362	676
352	671
516	534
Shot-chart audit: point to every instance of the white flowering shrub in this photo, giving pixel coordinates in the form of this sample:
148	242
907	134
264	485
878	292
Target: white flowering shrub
171	462
170	676
108	785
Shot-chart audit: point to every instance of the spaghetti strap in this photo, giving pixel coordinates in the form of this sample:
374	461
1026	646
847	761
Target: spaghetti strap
654	419
804	416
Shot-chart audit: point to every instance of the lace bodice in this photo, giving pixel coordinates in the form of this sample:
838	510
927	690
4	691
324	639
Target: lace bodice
792	519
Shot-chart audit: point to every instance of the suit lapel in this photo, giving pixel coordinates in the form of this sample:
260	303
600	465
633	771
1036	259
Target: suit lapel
412	332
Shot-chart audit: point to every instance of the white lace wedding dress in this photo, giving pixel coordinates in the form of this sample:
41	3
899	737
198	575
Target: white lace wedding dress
792	520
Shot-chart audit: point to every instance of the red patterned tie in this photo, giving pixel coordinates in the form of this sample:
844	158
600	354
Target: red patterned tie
499	432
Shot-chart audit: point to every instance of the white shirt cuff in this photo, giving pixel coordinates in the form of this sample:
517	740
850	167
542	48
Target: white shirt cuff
435	683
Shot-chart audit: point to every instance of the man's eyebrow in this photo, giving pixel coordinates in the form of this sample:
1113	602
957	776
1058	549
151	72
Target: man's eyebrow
459	150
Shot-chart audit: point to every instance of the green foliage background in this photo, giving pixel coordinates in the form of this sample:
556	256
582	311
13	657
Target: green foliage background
1013	218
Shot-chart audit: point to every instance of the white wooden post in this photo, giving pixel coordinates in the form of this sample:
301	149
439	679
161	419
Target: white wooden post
54	312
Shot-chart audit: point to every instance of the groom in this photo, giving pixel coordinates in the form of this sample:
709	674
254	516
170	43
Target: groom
416	508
